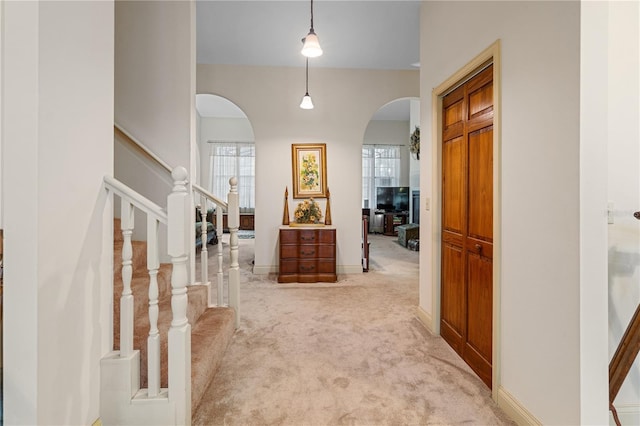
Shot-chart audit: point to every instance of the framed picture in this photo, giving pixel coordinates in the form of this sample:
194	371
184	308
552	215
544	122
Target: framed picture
309	162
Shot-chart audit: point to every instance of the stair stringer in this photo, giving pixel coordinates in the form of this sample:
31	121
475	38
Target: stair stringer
122	402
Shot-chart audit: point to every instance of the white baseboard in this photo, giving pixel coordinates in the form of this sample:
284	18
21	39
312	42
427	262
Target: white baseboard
349	269
265	269
629	414
514	409
425	318
273	269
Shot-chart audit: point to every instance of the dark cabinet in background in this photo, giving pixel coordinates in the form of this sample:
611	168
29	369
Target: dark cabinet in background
247	222
307	255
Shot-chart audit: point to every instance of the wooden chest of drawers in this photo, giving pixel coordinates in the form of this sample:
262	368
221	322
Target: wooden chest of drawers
307	255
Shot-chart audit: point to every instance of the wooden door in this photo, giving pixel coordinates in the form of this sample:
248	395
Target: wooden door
467	222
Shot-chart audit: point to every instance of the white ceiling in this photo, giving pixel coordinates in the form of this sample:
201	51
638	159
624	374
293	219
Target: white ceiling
372	34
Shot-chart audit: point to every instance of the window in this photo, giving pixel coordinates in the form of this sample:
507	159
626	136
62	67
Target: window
380	167
228	159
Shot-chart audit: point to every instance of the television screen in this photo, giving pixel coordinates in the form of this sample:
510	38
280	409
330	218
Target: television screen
392	198
384	198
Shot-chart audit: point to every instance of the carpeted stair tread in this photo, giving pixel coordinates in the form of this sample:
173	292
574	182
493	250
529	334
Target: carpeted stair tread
210	338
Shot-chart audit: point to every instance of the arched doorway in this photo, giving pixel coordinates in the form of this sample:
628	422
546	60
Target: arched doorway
224	129
390	170
224	148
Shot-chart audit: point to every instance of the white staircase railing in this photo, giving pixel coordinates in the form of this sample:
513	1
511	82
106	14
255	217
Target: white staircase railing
122	400
233	222
231	207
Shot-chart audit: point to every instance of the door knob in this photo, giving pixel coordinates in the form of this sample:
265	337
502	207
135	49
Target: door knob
478	247
637	215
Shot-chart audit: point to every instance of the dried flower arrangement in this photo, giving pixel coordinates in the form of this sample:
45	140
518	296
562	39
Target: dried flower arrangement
308	211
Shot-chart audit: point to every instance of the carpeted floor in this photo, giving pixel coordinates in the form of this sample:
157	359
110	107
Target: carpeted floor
350	353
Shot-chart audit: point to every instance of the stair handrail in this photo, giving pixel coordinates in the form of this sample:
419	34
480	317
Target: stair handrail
143	147
132	139
232	209
135	198
178	393
209	196
177	214
130	199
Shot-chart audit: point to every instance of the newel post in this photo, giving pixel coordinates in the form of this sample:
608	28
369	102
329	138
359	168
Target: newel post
234	268
179	344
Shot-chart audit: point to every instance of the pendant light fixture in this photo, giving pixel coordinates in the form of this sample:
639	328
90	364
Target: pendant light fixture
311	47
307	103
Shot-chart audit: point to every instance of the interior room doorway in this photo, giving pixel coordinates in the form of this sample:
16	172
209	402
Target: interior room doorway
226	148
390	172
467	251
467	221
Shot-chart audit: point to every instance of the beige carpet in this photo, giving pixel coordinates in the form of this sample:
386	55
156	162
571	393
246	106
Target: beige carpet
350	353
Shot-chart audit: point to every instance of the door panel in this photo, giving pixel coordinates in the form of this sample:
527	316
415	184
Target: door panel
453	114
452	188
451	310
481	184
481	100
480	294
467	222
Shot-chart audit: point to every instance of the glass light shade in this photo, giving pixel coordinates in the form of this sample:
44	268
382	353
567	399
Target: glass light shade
306	103
311	47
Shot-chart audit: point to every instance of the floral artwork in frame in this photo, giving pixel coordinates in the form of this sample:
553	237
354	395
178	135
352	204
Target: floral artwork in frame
309	170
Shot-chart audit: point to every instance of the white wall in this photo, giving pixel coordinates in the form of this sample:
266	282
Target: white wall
155	83
202	172
155	97
539	359
391	132
1	102
624	186
345	101
217	129
57	146
594	110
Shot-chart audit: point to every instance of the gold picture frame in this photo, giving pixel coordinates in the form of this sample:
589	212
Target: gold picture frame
309	164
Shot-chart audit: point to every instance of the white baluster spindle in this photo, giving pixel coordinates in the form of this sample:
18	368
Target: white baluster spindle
204	252
220	280
126	300
178	211
233	221
153	341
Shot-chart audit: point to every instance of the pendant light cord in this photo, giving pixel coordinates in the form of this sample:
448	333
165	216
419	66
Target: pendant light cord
307	86
311	15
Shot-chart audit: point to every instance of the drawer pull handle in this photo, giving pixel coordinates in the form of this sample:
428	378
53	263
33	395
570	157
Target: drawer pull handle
307	239
307	268
308	253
